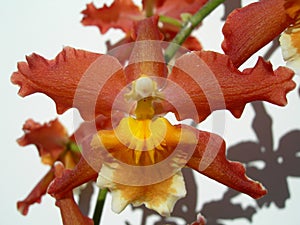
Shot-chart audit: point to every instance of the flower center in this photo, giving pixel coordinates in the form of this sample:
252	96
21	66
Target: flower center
142	140
144	91
139	142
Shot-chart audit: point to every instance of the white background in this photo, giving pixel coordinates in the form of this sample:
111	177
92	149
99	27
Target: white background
44	27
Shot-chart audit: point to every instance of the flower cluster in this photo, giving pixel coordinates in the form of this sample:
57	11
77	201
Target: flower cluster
126	144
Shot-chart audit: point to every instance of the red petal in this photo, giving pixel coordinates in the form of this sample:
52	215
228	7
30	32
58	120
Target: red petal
70	212
146	57
209	159
174	8
120	14
70	179
250	28
75	78
213	83
36	194
50	139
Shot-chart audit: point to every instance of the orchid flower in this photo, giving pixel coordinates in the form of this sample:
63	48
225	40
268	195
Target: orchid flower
138	155
123	13
53	144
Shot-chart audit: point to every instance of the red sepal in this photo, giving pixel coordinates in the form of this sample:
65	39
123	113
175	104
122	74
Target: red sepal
209	159
36	194
75	78
213	83
70	212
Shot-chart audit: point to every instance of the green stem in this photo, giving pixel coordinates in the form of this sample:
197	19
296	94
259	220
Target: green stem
99	206
73	147
189	26
170	20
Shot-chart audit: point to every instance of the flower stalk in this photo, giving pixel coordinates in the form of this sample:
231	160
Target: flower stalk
99	206
189	26
170	20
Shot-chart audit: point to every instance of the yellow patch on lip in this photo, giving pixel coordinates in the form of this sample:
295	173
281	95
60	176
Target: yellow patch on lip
142	142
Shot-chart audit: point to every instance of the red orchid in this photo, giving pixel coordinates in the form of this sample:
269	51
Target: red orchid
266	20
123	14
51	140
121	152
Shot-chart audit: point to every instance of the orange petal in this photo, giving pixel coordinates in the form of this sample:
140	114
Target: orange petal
75	78
146	57
209	159
120	14
36	194
70	212
50	139
248	29
213	83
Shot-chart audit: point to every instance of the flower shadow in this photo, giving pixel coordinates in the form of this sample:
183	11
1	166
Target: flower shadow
282	161
262	161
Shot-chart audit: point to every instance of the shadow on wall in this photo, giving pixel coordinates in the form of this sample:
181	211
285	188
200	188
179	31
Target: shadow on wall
283	162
